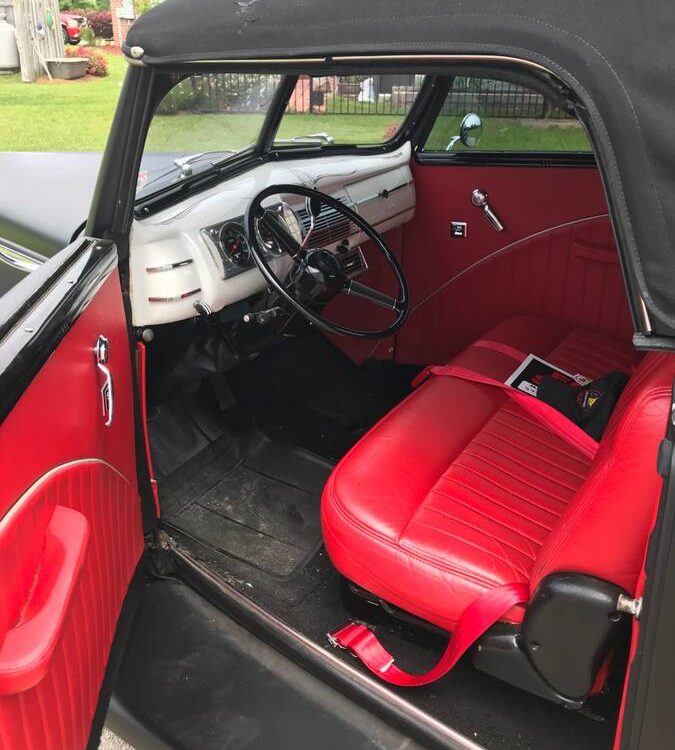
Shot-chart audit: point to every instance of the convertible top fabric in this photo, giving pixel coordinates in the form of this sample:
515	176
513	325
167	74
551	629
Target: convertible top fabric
618	56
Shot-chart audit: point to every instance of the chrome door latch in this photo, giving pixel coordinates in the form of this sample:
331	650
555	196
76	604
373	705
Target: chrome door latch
102	353
479	199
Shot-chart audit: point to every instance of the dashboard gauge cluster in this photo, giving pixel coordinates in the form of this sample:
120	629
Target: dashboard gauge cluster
230	242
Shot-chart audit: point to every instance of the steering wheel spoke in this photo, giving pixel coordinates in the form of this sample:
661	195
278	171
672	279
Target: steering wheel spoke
357	289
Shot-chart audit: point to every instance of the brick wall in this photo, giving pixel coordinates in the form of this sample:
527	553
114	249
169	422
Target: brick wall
122	17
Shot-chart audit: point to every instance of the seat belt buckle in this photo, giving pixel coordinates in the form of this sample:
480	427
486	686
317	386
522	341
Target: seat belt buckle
332	641
333	635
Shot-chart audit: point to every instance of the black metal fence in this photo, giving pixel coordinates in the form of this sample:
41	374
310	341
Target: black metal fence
389	95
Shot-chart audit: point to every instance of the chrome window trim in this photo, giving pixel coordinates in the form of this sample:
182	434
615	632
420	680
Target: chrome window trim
431	58
15	258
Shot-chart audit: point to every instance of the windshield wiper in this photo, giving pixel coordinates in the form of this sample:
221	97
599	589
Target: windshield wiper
187	167
320	138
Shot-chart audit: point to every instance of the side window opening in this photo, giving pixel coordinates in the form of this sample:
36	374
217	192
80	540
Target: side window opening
513	118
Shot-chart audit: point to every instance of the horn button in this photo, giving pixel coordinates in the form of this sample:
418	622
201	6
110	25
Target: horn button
320	276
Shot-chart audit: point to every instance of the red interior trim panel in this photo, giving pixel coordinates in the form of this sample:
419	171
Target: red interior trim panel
556	257
70	533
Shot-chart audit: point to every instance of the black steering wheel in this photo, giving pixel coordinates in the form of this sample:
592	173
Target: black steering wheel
318	274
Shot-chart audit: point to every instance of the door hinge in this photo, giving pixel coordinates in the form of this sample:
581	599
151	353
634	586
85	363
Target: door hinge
629	606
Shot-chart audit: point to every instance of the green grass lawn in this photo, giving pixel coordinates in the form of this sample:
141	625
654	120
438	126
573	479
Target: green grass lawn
76	116
59	116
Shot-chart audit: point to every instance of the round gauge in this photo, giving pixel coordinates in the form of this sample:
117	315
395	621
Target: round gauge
234	245
267	240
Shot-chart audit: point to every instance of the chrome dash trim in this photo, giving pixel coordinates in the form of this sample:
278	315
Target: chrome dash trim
18	260
179	298
383	194
169	266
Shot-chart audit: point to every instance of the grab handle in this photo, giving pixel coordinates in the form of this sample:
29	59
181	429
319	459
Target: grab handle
28	647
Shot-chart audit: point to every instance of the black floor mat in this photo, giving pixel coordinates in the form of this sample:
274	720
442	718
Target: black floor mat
256	501
241	487
307	393
249	506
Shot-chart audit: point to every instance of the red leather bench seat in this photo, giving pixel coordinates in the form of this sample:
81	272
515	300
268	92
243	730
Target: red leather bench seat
458	489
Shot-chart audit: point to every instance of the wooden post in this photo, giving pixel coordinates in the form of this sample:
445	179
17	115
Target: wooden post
36	41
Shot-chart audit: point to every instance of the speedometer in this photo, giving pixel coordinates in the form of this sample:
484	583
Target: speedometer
234	245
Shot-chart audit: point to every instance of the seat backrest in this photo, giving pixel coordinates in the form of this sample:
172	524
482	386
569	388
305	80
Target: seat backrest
605	529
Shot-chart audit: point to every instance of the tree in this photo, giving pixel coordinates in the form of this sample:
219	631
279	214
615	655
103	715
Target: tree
72	5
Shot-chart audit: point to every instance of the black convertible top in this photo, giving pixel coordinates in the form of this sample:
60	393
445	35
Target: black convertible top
617	56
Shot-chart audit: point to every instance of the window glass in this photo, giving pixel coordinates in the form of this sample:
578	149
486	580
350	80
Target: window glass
201	120
513	118
347	110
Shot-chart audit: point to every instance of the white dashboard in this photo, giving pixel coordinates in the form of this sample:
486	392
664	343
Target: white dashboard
183	254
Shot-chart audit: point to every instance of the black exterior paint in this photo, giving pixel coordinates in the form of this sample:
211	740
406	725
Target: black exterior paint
44	197
649	722
10	274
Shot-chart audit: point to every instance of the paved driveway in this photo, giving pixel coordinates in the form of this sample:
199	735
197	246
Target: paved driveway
110	742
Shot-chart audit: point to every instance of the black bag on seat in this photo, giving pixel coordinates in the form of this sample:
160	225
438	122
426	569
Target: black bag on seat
589	406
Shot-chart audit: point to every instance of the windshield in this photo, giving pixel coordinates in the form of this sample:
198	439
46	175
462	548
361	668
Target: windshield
353	110
201	122
207	119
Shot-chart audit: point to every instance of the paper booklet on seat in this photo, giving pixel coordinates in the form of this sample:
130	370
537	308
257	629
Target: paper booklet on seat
529	373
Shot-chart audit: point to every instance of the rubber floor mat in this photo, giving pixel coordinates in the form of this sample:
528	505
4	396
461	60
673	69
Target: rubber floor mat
255	500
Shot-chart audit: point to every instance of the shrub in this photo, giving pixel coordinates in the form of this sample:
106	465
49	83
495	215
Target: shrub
101	23
87	36
98	65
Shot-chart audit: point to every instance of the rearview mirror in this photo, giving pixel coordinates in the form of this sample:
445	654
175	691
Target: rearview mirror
470	131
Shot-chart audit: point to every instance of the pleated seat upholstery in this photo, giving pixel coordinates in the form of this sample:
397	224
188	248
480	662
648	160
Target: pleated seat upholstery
458	489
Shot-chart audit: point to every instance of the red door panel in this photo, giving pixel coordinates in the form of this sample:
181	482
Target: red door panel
70	534
555	257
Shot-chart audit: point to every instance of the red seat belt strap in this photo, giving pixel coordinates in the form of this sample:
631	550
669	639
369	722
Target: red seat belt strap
476	619
540	410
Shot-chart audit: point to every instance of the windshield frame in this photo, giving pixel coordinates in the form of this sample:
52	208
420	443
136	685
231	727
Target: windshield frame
264	148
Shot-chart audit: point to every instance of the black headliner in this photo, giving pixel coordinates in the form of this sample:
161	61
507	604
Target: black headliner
617	55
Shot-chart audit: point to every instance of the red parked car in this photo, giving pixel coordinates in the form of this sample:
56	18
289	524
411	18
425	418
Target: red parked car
71	26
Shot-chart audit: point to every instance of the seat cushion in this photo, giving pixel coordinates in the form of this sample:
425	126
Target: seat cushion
458	489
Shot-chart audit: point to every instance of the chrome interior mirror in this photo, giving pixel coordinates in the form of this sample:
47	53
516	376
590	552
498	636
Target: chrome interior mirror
470	131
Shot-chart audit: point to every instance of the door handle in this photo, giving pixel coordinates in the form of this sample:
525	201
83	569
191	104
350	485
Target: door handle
102	352
479	199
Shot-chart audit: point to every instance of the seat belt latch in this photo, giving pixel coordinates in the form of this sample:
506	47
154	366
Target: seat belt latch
334	635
